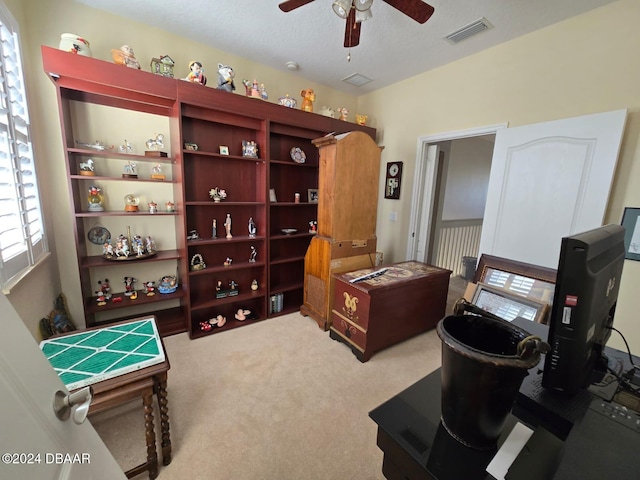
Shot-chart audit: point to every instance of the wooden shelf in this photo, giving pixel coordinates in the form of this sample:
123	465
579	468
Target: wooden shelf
91	305
210	118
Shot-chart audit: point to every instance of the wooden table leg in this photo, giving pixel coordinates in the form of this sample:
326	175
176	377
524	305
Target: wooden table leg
152	455
161	391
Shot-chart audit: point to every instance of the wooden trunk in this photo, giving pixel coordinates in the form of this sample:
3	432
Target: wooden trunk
347	208
408	299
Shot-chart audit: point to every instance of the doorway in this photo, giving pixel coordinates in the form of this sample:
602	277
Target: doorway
449	193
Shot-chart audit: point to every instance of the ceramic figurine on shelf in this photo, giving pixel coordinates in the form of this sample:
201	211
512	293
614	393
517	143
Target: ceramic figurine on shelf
129	286
254	285
361	119
263	92
308	97
343	113
153	207
214	228
126	147
156	172
218	194
328	112
163	66
150	245
225	78
150	288
105	288
168	284
171	207
313	226
87	168
125	56
228	262
227	226
196	73
252	227
253	254
287	101
95	199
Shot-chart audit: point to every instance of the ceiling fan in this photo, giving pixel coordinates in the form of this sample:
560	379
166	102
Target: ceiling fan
357	11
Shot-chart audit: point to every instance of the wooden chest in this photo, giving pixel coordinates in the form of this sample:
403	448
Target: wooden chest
369	315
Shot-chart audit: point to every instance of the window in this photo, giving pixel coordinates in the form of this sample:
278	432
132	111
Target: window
22	237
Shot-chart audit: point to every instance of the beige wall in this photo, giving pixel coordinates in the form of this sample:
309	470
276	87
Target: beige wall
584	65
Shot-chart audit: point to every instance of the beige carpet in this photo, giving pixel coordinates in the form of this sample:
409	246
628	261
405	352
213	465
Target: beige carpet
275	400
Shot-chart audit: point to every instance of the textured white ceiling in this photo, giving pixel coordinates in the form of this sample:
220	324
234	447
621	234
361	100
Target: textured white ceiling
392	46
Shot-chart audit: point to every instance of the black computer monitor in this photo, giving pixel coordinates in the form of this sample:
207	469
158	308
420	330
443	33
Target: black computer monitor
584	303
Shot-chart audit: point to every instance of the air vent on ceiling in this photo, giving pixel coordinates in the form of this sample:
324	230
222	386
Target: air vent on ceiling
357	79
469	30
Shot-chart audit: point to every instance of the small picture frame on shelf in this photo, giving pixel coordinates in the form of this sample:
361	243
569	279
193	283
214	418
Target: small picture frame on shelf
249	149
272	195
224	150
313	195
631	224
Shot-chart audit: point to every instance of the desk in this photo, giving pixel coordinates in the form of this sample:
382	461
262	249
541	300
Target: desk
587	446
140	371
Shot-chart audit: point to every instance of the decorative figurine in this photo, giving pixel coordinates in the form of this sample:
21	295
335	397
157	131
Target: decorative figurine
126	147
153	207
170	206
190	146
193	235
214	228
313	226
130	170
129	288
196	73
156	172
95	199
228	262
220	292
328	112
287	101
168	284
197	263
105	288
225	78
254	285
72	43
138	244
249	149
95	146
131	202
252	228
150	245
217	194
255	91
253	254
308	97
87	168
227	226
150	288
163	66
154	145
343	113
233	288
361	119
125	56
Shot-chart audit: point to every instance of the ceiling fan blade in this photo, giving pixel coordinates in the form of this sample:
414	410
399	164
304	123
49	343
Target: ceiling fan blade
352	30
416	9
292	4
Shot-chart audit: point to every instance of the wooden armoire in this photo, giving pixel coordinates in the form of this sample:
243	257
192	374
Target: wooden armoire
347	209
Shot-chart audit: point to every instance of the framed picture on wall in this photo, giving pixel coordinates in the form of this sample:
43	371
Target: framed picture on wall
393	180
631	226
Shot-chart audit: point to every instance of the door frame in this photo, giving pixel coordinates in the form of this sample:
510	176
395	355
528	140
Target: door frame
424	178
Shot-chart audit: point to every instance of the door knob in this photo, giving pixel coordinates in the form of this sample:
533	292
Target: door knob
64	403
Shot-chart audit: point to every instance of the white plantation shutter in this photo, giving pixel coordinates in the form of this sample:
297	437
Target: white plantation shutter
22	239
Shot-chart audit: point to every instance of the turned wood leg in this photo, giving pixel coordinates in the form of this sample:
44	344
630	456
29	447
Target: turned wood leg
152	456
161	386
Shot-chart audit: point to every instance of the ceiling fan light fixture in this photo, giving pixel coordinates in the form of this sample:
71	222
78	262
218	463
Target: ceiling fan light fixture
362	5
362	15
342	7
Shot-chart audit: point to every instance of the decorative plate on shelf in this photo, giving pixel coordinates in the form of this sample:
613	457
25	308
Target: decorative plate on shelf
298	155
289	231
99	235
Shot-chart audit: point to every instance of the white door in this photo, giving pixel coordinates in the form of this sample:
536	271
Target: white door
34	443
427	213
549	180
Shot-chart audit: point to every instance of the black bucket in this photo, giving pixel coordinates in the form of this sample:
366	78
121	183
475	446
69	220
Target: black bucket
481	375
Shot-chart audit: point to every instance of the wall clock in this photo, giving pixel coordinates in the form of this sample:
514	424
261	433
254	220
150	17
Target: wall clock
392	183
